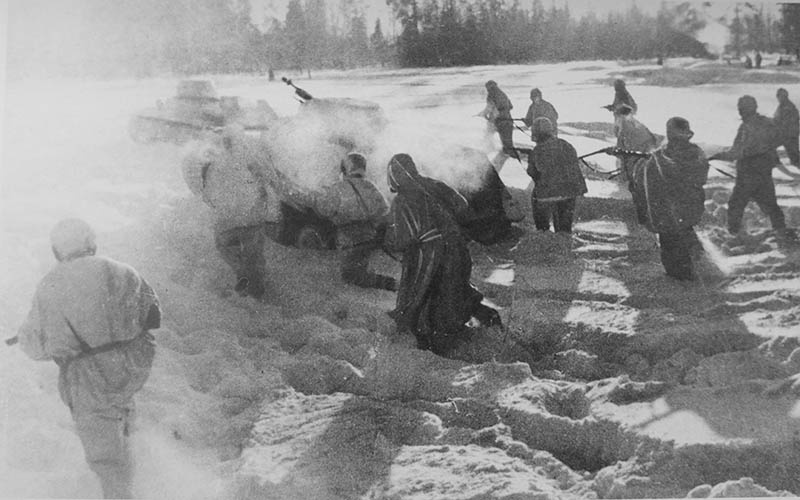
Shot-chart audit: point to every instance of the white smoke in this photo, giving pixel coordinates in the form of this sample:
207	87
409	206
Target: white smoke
715	36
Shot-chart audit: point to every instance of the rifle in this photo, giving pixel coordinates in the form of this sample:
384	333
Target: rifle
12	340
302	94
616	152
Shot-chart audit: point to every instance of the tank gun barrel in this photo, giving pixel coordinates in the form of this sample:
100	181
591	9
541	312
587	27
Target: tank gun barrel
302	94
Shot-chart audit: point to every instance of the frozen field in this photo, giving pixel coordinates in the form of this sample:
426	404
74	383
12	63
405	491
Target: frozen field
612	380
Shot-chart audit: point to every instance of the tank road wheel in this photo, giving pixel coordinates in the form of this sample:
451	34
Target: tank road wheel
141	130
310	238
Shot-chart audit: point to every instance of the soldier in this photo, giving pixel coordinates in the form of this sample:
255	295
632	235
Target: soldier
632	135
622	97
357	209
558	181
363	233
669	188
540	107
754	152
222	175
788	122
497	99
92	316
435	299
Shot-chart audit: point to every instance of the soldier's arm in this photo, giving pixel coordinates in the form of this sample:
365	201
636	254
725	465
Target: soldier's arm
532	171
528	120
149	307
735	152
31	335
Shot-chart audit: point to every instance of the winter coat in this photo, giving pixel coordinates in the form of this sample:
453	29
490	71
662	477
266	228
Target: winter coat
500	101
541	108
356	207
754	146
668	188
623	97
91	316
632	135
228	183
553	166
787	119
435	298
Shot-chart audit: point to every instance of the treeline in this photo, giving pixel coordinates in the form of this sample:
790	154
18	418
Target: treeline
455	32
156	37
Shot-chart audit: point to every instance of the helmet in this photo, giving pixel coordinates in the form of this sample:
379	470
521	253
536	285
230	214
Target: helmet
72	236
782	93
536	93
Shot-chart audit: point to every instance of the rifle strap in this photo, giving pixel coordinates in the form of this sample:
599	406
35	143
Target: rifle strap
362	203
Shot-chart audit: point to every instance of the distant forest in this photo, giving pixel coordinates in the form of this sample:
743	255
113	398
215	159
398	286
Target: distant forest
157	37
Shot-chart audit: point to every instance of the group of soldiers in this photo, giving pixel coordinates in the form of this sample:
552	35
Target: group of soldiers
666	182
93	315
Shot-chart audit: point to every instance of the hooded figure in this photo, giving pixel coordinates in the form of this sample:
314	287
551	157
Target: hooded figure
787	120
498	100
668	192
622	97
435	298
754	152
558	180
541	108
92	316
632	135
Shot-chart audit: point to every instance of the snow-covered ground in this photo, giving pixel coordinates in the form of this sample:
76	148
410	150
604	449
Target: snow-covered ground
611	380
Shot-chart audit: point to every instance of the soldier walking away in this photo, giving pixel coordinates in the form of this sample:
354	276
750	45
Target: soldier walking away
538	108
669	188
497	99
758	60
435	299
240	204
558	180
754	152
787	120
92	316
622	97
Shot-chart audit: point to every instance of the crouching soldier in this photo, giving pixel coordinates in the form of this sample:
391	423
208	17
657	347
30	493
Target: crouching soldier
357	209
754	152
358	200
91	315
435	299
558	180
669	186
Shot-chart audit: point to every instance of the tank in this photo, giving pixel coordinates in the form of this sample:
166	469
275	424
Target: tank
196	109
